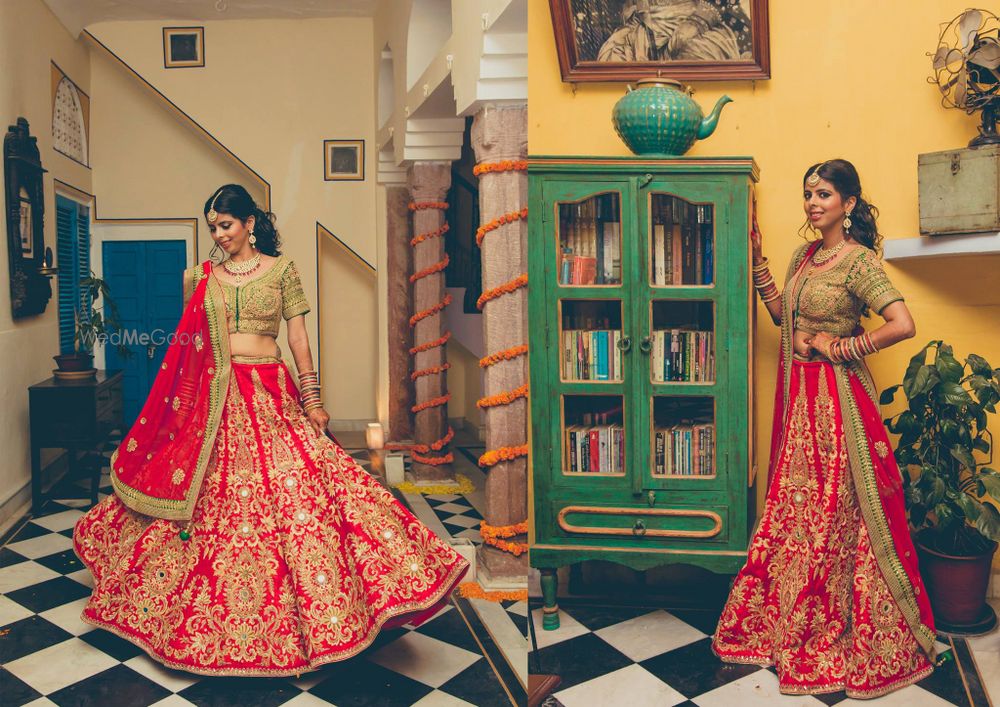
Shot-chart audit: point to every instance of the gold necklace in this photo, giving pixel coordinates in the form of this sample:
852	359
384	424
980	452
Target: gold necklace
823	255
241	269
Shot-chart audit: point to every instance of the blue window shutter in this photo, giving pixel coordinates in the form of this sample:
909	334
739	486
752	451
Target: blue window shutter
67	278
83	253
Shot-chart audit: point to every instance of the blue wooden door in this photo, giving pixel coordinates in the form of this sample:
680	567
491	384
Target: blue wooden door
145	282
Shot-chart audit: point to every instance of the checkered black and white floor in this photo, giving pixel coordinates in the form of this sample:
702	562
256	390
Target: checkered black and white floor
49	656
642	656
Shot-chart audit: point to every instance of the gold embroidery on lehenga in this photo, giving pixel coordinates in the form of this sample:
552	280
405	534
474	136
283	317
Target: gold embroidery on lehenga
882	449
812	600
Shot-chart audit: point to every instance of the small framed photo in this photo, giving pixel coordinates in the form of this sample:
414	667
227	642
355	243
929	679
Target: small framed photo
26	229
183	47
344	160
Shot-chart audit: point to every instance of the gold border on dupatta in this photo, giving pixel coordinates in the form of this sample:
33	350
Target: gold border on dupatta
183	509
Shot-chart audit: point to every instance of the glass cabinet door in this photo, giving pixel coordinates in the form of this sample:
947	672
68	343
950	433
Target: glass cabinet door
589	320
680	319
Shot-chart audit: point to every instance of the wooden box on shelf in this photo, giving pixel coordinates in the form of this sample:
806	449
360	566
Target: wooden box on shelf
959	190
642	329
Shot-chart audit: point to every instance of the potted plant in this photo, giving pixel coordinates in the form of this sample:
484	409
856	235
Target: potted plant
91	325
950	493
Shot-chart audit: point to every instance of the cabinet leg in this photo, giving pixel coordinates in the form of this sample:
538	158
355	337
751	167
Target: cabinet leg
550	609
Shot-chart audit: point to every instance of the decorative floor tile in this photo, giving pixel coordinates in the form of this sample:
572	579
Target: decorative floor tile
51	657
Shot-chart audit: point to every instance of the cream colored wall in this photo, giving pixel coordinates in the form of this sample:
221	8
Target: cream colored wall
148	163
464	384
838	90
351	334
272	91
26	344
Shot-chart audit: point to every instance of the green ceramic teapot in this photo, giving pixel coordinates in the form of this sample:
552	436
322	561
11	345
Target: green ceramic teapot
659	118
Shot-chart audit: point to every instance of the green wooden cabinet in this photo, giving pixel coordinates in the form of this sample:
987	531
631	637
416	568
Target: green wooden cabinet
642	363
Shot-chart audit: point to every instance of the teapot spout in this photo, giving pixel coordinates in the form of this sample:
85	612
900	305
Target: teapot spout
711	121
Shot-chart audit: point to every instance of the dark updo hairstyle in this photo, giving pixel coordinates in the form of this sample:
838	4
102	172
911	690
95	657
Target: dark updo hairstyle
234	199
844	178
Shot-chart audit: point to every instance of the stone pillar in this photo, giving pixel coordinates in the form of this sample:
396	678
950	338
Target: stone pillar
429	183
399	265
500	134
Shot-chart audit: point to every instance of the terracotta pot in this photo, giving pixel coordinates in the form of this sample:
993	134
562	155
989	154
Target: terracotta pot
74	362
956	584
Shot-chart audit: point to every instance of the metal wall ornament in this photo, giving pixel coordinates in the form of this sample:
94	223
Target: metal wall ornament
28	259
967	69
687	40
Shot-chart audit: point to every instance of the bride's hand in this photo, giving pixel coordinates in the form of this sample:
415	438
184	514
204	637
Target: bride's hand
822	342
319	419
756	239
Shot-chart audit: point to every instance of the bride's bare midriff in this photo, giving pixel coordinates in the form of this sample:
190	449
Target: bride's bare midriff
241	344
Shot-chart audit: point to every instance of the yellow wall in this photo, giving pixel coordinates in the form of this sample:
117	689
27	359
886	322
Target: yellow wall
271	92
26	344
840	88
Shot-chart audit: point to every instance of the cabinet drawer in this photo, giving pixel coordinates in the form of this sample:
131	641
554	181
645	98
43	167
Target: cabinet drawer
668	522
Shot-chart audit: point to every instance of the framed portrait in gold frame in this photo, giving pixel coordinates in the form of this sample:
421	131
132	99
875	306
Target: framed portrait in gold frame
183	47
344	160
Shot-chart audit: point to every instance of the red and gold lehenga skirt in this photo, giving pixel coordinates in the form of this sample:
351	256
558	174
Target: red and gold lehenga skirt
296	556
830	595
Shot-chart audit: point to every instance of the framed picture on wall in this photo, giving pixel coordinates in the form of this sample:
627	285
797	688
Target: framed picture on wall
183	47
687	40
344	160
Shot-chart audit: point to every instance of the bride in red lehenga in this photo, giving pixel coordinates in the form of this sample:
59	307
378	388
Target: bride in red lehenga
240	539
831	594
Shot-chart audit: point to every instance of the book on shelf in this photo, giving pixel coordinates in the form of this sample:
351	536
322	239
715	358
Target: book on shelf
598	449
684	450
682	248
590	242
591	354
683	355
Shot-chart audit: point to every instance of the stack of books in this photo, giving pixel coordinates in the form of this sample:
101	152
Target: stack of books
591	355
591	245
595	446
683	355
682	242
684	450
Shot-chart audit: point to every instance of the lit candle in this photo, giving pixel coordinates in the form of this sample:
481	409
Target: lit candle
374	436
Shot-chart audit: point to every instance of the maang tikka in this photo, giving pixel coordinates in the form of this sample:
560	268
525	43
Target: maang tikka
212	214
813	179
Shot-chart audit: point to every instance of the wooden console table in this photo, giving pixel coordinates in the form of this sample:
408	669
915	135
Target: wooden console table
76	416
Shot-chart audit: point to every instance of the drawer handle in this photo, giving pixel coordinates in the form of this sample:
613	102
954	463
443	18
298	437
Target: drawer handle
639	529
712	516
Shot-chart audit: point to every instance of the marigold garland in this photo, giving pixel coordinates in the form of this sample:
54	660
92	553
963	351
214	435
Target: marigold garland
421	205
423	448
505	355
431	269
432	461
504	398
472	590
432	403
431	344
495	535
420	238
503	454
501	166
430	371
496	223
433	309
504	289
463	488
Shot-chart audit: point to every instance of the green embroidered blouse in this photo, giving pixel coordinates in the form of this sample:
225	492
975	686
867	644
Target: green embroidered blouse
258	305
834	300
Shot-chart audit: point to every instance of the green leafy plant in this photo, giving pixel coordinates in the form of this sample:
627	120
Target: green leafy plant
93	324
944	425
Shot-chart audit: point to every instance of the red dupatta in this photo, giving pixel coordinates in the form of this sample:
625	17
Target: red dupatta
158	468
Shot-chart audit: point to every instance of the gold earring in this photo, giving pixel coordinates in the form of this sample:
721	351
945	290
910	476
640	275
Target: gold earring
847	222
253	239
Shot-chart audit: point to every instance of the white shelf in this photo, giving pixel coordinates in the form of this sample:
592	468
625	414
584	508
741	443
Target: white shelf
939	246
